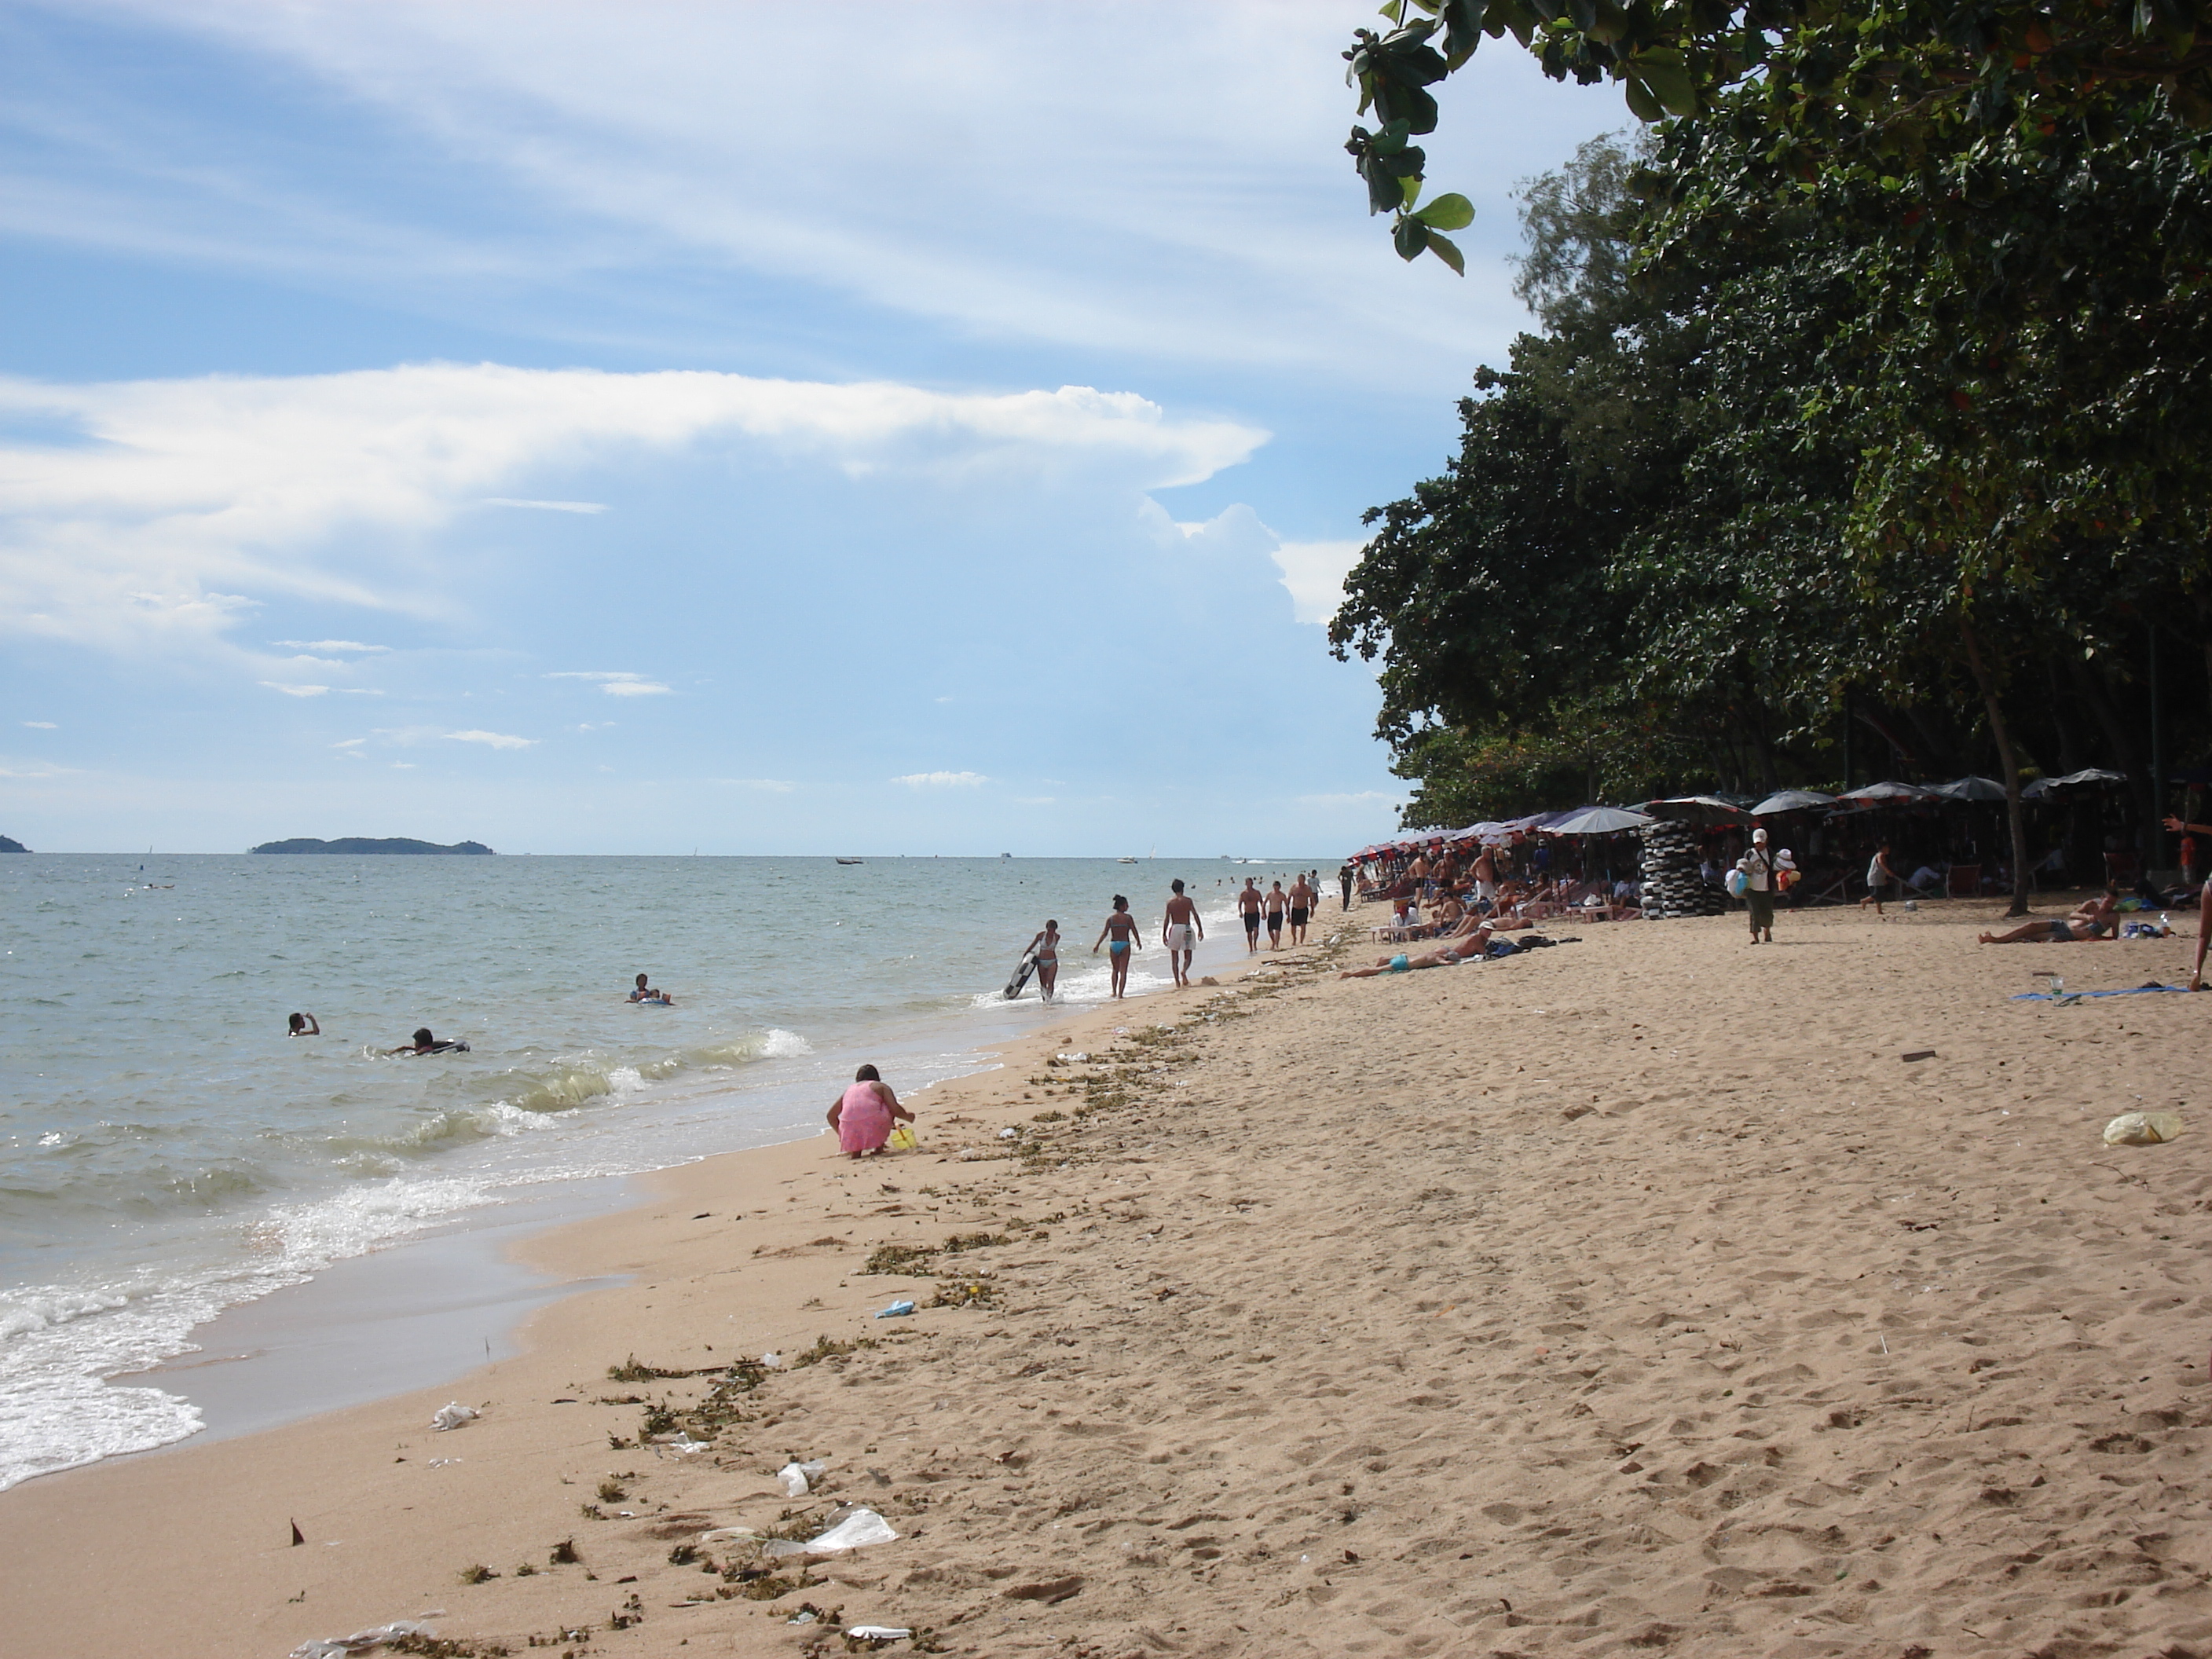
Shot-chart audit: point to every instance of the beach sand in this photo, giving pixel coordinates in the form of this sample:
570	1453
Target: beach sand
1634	1295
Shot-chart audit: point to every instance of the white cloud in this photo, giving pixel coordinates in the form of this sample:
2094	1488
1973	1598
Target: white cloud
296	691
1315	572
1194	203
491	739
618	685
42	726
349	742
328	645
942	780
184	490
547	506
595	725
358	691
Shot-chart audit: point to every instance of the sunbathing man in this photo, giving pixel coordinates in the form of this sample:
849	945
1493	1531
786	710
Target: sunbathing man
1403	963
2091	919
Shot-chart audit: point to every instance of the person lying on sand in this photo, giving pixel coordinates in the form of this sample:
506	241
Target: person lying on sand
1403	963
2091	919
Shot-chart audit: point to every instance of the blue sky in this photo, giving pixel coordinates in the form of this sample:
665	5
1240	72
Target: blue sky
635	428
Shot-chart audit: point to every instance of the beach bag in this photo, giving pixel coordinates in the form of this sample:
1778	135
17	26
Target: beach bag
1739	882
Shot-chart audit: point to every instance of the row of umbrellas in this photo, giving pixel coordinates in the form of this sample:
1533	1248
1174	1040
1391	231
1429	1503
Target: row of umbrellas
1609	820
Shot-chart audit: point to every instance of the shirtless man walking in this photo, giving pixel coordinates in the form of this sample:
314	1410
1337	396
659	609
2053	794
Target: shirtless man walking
1250	902
1304	899
1181	932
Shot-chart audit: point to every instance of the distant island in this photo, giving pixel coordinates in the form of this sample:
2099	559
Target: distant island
10	844
364	844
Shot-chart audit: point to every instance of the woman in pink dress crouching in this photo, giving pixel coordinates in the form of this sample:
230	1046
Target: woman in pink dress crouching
863	1113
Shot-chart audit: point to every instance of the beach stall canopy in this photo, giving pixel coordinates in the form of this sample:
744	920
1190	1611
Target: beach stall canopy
2042	786
1597	821
1874	793
1792	800
1969	788
1698	809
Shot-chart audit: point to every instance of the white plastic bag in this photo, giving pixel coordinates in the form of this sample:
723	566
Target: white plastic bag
857	1530
798	1478
337	1647
878	1632
2141	1128
452	1414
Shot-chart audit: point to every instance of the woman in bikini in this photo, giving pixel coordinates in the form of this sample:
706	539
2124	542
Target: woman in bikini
1046	947
1121	929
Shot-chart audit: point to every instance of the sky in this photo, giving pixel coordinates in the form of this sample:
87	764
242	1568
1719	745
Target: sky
654	427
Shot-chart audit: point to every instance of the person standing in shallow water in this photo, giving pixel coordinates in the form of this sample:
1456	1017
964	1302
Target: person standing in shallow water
1121	928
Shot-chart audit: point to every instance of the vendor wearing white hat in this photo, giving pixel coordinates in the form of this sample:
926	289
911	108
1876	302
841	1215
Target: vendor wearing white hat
1758	867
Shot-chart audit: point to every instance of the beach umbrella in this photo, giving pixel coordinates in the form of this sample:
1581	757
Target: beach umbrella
1597	821
2042	786
1695	809
1792	800
1969	788
1875	793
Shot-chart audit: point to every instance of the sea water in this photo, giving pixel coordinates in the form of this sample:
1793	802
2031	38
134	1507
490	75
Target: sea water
166	1152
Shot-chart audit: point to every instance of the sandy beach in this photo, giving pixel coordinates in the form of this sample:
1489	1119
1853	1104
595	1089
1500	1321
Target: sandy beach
1642	1294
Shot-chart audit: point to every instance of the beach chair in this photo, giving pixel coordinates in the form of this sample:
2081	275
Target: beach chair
1963	881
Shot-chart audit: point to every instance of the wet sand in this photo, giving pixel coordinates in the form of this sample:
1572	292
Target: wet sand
1632	1296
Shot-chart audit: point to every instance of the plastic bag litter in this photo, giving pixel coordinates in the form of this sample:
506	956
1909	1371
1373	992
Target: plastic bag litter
878	1632
897	1311
771	1360
452	1414
1010	1135
336	1647
798	1478
2141	1128
857	1530
727	1535
683	1443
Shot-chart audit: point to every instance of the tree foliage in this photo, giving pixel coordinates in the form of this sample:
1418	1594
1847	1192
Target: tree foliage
1725	501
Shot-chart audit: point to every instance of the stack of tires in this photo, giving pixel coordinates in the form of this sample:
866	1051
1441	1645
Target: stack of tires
1672	885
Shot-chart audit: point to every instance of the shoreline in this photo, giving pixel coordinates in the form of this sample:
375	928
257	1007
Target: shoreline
312	1347
1635	1294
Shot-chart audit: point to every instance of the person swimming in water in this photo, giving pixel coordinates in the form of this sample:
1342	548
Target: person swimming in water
1126	938
424	1043
305	1026
645	992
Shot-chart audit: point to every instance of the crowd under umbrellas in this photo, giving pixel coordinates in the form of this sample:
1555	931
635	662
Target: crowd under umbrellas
1947	839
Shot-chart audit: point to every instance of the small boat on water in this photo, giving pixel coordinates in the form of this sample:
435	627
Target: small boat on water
1125	861
851	861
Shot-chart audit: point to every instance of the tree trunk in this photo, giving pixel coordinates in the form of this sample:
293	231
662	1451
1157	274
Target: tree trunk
2010	772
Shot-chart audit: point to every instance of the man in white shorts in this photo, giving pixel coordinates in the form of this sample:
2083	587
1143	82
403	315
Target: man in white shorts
1181	931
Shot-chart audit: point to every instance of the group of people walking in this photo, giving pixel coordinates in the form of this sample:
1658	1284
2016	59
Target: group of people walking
1182	929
